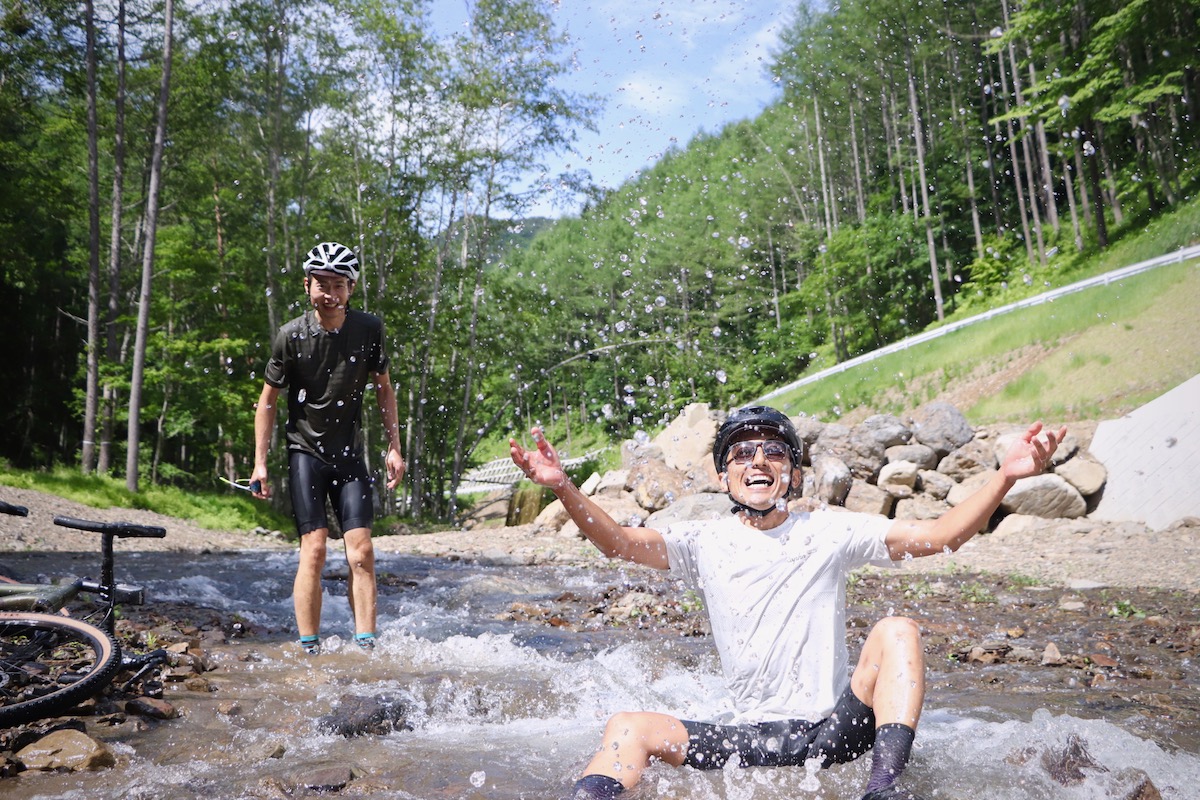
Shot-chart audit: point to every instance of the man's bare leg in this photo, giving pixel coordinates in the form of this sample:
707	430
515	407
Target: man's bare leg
890	677
306	590
632	739
360	585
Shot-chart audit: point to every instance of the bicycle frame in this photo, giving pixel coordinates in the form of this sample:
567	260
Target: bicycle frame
50	598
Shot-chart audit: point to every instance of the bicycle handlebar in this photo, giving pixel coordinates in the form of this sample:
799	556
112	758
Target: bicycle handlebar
119	529
16	511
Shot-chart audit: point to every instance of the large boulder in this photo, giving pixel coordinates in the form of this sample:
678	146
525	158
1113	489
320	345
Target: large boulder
886	429
1084	473
854	447
654	485
66	750
831	480
919	454
1044	496
869	499
692	507
621	508
941	426
687	442
962	462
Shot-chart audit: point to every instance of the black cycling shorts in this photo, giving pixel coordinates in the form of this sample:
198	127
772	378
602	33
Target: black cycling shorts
844	736
346	484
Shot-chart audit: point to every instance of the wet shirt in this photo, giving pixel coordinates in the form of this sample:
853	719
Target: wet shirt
776	600
326	374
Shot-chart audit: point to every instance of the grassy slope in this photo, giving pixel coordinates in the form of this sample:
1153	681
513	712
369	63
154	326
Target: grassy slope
1093	355
1096	354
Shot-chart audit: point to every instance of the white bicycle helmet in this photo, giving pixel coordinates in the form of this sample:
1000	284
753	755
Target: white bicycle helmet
332	257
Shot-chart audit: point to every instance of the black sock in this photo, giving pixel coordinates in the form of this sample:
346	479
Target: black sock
596	787
893	742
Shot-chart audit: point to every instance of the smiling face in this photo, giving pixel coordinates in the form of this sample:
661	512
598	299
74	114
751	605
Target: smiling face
328	292
758	470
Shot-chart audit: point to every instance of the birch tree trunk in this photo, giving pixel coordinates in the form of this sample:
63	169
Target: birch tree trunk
143	320
91	399
111	340
919	140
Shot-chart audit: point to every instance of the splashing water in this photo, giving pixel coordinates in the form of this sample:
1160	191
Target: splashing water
504	709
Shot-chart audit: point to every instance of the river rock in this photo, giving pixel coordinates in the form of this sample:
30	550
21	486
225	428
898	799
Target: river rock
831	479
934	484
854	447
332	778
654	484
920	507
708	505
687	442
869	499
612	483
962	462
1044	496
152	708
66	750
552	517
886	429
898	473
919	454
1085	474
621	508
941	426
356	715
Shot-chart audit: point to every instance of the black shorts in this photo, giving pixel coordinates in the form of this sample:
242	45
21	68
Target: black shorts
844	736
346	484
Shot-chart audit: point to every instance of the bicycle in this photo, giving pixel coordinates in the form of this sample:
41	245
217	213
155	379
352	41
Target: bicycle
50	662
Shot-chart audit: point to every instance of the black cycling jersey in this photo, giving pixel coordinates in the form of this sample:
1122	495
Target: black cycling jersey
326	374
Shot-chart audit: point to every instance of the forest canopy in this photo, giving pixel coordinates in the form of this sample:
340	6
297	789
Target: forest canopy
167	167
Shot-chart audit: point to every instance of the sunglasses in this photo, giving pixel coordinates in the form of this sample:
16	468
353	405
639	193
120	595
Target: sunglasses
773	450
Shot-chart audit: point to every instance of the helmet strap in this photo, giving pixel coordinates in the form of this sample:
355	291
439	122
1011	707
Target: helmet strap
738	508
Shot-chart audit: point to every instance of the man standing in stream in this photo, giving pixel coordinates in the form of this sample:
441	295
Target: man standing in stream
325	358
774	587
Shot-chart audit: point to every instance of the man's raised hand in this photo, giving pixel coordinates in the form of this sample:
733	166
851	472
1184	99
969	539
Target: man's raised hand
1031	453
541	465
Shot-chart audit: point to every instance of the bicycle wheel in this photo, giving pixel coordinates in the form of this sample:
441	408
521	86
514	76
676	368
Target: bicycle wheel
50	663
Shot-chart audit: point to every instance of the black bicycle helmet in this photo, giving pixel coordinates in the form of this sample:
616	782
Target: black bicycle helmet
332	257
756	418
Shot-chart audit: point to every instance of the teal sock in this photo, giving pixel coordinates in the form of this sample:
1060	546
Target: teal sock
314	639
365	640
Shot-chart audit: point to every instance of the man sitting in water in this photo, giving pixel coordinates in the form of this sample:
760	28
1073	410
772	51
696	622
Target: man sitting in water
774	586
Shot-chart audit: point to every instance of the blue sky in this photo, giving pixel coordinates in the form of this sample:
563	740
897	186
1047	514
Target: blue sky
666	71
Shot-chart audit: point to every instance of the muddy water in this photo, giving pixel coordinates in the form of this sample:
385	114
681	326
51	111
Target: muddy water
510	705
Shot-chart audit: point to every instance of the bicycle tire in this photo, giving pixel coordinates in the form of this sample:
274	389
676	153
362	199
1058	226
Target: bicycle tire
49	664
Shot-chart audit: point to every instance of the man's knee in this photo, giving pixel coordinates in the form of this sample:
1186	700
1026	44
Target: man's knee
313	549
897	630
360	554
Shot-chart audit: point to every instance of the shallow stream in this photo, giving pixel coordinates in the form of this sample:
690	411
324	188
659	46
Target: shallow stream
505	709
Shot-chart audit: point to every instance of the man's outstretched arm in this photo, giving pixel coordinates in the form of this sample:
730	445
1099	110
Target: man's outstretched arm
1028	456
542	466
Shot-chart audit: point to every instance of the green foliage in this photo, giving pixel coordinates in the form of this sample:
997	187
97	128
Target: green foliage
977	593
215	509
739	261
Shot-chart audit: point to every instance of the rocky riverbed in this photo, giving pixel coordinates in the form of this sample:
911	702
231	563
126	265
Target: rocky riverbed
1100	621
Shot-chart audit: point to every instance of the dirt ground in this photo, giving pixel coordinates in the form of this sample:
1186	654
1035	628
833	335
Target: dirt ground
1067	553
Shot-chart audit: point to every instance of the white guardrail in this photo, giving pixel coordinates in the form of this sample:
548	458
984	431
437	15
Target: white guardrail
1183	254
503	472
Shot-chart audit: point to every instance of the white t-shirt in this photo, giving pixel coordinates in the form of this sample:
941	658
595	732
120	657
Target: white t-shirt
777	603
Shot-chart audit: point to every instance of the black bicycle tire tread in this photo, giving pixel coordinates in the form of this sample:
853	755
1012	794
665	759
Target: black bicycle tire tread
104	668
